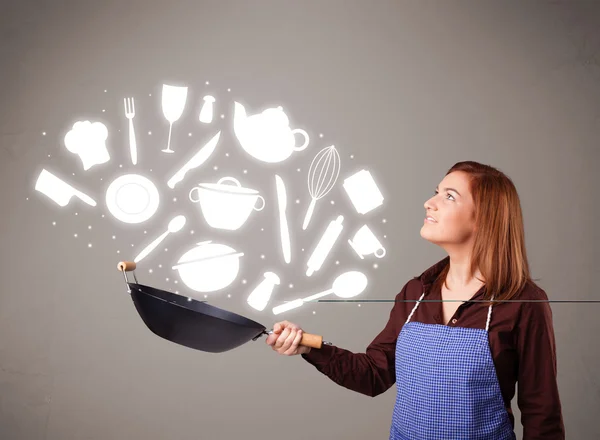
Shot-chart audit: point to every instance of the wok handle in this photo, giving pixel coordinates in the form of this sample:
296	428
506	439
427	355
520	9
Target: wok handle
313	341
126	266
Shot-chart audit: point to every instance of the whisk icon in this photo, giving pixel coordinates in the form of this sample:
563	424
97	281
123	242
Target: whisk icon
322	175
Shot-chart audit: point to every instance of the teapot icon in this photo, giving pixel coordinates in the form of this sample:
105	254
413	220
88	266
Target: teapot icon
267	136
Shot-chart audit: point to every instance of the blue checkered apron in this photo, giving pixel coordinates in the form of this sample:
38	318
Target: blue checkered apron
447	388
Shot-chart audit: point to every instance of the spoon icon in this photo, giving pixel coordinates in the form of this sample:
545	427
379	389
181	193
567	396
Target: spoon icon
346	285
174	226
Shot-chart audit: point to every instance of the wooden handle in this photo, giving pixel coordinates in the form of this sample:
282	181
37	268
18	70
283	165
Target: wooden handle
126	266
314	341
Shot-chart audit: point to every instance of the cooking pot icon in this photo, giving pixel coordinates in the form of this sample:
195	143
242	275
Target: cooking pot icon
226	206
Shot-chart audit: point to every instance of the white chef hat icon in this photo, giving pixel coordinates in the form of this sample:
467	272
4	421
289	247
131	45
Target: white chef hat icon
88	141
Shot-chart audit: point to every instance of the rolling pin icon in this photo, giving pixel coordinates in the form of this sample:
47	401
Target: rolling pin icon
325	244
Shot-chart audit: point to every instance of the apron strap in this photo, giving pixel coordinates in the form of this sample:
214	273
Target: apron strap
415	308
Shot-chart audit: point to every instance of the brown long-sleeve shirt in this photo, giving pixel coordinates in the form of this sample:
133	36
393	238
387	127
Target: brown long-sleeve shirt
521	340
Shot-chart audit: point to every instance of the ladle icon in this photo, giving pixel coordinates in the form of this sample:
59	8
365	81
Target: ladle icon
174	225
346	285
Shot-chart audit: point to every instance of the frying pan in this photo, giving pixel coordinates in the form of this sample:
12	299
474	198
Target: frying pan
195	324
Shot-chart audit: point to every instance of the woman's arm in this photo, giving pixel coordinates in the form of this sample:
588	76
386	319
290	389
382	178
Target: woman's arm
537	394
371	373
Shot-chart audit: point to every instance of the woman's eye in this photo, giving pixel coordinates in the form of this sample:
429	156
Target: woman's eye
451	196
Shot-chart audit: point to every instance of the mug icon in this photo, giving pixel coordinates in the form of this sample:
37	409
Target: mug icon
365	243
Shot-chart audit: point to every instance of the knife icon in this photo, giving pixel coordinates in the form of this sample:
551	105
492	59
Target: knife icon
283	225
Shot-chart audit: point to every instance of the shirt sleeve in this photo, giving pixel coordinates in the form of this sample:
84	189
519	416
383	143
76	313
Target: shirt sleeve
370	373
537	393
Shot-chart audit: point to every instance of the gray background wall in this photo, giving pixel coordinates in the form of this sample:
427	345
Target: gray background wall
407	87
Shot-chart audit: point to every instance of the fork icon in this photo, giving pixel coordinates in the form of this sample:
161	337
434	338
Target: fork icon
129	114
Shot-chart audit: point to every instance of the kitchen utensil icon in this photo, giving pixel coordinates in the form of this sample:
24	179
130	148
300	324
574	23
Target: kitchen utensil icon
129	114
261	295
132	198
58	190
197	159
363	191
324	246
174	225
322	175
347	285
226	206
365	243
206	114
209	267
88	141
283	224
267	136
173	103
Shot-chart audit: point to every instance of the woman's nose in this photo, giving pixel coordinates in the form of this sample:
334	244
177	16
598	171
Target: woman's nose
429	204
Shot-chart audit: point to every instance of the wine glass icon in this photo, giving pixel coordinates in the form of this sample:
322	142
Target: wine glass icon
173	103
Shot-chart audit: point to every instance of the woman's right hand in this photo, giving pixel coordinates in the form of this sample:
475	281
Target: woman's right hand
286	338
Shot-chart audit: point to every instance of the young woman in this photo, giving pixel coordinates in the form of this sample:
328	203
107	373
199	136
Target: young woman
456	364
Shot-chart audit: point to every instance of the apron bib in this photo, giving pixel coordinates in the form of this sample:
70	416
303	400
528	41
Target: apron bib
447	388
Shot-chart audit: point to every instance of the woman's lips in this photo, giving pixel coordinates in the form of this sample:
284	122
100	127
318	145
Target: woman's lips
429	220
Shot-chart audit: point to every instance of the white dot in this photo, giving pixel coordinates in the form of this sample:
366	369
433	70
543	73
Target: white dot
229	90
189	299
332	202
100	178
244	281
175	281
120	166
54	223
262	229
262	256
320	135
167	279
314	313
150	132
191	232
131	244
73	173
118	252
215	167
48	155
190	134
298	169
166	249
245	171
103	110
43	133
229	295
75	235
76	213
207	83
89	245
102	215
227	154
114	237
297	201
337	262
385	236
150	270
150	94
90	227
27	198
352	156
384	221
291	286
205	296
302	249
174	199
150	169
359	305
222	116
160	265
145	232
375	265
104	91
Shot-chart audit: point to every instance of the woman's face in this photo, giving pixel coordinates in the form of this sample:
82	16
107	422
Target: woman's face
450	213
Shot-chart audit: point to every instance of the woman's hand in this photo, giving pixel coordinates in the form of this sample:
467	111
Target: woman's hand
286	338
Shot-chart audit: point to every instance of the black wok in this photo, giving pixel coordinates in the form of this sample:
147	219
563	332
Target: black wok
195	324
